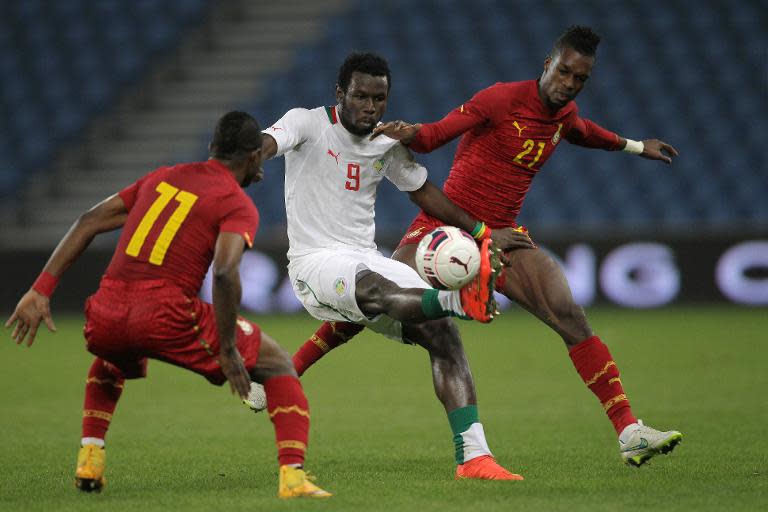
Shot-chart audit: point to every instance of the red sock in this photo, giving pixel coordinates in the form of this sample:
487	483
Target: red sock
329	336
599	372
289	412
102	391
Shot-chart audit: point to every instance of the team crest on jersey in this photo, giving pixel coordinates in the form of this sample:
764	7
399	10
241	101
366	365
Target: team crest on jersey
245	326
340	286
556	136
378	166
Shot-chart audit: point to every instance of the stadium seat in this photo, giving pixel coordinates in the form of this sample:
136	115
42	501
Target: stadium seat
62	63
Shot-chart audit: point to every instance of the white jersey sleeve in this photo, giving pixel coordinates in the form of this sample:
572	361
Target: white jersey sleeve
403	170
292	130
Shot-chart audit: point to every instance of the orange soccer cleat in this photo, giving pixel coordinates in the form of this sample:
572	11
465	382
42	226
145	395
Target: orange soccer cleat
296	483
484	468
89	476
477	296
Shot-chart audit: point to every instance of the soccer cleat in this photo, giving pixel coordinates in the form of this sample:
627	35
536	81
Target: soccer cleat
257	398
477	296
638	443
89	475
484	468
296	483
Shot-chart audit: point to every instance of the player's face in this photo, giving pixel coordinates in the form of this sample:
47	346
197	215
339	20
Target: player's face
364	102
564	77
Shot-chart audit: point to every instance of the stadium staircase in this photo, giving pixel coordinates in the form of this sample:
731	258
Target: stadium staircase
230	57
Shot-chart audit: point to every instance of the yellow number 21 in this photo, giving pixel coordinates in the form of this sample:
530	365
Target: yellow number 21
167	192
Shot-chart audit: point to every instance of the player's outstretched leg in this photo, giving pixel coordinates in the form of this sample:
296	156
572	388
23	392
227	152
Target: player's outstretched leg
537	283
289	412
102	391
327	337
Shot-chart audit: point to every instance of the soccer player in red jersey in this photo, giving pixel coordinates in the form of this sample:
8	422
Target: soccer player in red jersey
508	131
177	220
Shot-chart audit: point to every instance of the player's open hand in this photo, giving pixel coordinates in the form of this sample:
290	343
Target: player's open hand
234	370
508	239
30	311
654	149
398	130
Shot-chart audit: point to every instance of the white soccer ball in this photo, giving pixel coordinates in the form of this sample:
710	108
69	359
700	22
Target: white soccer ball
447	258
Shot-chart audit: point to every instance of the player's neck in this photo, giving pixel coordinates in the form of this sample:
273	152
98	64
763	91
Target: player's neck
238	173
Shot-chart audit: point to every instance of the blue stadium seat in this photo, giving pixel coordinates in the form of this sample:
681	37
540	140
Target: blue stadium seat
63	62
667	77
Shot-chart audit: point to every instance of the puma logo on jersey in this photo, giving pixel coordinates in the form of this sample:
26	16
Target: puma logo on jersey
275	128
335	156
456	260
519	129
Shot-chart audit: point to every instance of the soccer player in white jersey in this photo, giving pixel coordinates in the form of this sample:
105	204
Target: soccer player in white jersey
332	169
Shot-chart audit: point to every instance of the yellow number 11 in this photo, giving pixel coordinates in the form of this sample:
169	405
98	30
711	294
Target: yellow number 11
167	192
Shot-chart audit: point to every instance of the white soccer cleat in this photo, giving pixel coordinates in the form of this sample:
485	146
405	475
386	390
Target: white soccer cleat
257	398
638	443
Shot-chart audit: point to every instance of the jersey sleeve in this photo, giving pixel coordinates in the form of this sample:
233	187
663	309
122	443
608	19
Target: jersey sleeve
291	130
478	111
240	216
403	170
129	193
584	132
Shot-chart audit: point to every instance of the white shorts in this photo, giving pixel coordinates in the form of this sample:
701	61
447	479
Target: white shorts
324	282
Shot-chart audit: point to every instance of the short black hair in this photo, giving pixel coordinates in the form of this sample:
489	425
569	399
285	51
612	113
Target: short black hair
236	134
368	63
579	38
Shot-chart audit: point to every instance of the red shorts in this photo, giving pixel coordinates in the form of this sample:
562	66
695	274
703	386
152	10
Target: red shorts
422	225
419	228
128	322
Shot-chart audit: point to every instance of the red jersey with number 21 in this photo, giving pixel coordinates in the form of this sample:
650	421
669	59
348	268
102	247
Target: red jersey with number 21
175	215
508	135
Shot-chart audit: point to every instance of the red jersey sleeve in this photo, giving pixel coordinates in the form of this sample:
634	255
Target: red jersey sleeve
240	216
129	193
478	111
584	132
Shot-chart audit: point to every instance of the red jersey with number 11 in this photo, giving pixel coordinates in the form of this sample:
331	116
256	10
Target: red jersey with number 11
508	135
175	215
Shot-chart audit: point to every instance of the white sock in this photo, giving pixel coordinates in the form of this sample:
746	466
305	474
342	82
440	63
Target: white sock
450	300
92	440
475	444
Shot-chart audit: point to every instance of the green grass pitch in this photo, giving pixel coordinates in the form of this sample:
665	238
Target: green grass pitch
380	440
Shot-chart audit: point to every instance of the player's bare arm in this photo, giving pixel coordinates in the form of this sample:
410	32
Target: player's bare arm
434	202
226	300
268	147
34	306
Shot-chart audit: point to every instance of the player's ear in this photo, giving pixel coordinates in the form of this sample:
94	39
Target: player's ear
255	157
339	94
547	62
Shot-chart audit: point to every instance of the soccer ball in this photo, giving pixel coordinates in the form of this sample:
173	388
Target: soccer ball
447	258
